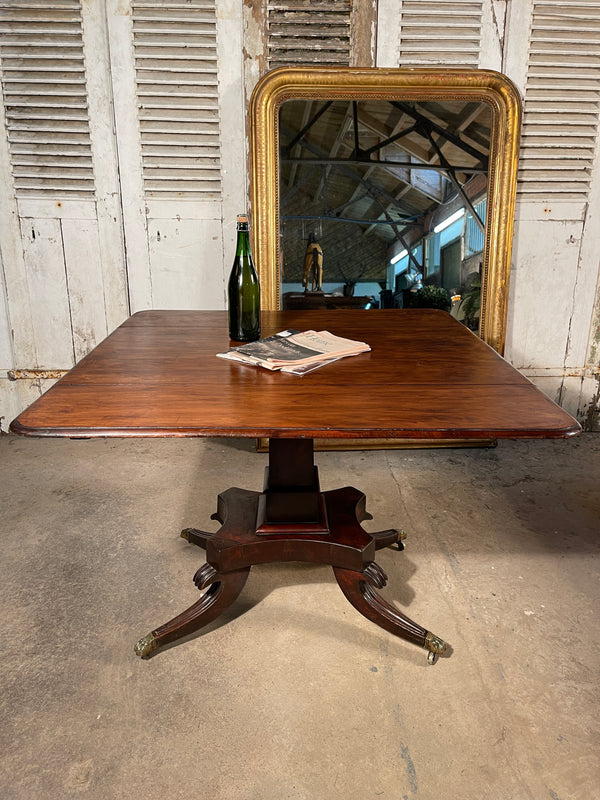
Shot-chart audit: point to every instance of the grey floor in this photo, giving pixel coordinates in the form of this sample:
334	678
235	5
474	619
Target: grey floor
293	695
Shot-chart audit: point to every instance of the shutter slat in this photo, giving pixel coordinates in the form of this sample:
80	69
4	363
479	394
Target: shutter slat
166	77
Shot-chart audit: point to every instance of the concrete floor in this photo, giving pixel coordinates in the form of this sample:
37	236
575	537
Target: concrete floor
294	695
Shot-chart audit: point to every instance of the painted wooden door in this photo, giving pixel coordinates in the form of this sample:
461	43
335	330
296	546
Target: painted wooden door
551	51
122	181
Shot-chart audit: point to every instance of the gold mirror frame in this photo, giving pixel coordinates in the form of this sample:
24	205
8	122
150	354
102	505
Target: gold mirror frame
337	83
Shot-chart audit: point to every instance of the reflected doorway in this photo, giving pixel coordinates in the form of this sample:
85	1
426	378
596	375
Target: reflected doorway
451	267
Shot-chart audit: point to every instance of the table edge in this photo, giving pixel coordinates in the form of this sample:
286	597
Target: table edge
296	433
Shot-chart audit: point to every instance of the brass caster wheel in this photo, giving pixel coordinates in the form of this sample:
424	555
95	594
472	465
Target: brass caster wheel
436	647
401	539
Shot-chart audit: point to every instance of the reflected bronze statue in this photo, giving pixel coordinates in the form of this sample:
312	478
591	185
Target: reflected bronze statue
390	152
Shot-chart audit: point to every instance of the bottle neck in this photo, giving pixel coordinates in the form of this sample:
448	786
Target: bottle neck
243	242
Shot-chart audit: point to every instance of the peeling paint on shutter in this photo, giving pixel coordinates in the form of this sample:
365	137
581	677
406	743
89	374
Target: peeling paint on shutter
309	32
175	47
562	101
440	32
44	95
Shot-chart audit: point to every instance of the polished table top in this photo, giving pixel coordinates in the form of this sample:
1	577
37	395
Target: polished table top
426	377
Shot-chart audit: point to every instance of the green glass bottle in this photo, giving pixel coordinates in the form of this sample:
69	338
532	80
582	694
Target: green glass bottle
243	289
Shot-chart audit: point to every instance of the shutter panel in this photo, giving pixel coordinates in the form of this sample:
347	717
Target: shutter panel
562	97
309	32
175	45
44	94
440	32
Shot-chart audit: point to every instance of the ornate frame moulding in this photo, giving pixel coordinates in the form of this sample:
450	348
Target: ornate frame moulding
493	88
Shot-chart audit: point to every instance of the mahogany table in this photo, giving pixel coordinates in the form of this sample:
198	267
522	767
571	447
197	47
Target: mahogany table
426	377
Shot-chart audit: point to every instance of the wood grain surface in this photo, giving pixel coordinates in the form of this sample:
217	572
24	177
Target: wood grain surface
426	376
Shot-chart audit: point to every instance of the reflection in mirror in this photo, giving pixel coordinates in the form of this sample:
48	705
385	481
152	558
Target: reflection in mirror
383	203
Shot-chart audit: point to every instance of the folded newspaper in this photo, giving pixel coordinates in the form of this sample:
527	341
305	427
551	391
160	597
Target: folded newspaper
295	351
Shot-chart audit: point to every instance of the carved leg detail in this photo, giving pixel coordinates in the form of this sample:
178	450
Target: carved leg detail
222	590
195	536
359	589
387	538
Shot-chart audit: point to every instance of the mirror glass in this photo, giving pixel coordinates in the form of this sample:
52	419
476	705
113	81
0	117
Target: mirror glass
383	203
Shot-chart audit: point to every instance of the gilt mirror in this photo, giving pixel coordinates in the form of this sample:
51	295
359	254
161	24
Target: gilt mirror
386	188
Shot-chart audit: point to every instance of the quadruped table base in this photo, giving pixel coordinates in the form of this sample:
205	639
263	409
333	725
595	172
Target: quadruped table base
291	520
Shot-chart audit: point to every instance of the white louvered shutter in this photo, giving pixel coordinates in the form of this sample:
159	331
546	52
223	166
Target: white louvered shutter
60	223
175	66
175	45
441	32
562	101
44	93
553	55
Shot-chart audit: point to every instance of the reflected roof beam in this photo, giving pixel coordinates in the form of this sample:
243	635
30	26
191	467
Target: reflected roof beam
372	189
297	150
431	127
